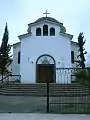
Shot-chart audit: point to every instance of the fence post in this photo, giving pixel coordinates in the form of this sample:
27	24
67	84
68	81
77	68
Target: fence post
47	97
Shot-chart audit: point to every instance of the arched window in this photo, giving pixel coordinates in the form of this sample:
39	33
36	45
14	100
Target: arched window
18	57
38	32
72	56
45	30
52	31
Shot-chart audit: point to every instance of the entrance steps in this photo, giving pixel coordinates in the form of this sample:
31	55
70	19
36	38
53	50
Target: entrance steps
40	89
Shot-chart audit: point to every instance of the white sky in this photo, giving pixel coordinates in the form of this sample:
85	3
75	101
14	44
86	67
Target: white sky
75	15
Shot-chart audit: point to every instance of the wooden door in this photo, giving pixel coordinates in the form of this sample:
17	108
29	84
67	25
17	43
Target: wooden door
50	73
45	73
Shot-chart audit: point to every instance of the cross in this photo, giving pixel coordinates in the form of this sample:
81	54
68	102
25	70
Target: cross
46	13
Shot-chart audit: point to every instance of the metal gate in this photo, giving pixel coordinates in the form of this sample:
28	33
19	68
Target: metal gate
72	95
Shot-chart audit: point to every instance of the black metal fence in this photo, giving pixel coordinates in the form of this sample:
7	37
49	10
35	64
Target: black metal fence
10	78
72	94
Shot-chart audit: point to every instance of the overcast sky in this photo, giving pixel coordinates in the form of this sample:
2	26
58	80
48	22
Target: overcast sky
75	15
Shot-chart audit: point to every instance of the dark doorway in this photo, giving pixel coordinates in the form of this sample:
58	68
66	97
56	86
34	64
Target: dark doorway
45	72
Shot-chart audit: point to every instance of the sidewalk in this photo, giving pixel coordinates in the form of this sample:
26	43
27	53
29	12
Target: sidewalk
32	116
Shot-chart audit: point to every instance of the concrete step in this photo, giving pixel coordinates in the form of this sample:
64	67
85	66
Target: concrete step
36	87
41	89
51	90
51	84
42	94
44	89
43	84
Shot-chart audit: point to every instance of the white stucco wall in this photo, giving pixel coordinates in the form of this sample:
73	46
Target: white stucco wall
15	65
33	46
75	48
40	25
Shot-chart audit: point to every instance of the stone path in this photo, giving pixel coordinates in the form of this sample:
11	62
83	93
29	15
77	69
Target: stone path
27	116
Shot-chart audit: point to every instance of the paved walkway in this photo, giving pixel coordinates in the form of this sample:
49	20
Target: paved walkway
27	116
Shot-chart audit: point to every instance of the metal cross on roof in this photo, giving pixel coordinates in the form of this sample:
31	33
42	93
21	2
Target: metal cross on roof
46	13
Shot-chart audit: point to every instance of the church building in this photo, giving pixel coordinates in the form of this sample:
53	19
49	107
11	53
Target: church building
45	47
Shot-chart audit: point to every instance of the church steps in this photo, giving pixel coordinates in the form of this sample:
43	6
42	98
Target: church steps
43	91
43	95
44	86
50	89
58	90
55	88
35	89
40	89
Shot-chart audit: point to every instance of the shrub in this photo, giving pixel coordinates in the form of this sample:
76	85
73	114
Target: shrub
83	76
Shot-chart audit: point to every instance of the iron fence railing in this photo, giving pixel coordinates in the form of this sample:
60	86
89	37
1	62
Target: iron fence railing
10	78
70	75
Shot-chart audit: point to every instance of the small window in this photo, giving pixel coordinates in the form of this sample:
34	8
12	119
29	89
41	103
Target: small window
38	32
18	57
45	30
72	56
52	31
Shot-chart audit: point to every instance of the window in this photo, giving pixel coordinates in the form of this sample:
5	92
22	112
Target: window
38	32
18	57
72	56
45	30
52	31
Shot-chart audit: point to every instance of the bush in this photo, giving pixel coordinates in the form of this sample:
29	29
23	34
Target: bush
83	76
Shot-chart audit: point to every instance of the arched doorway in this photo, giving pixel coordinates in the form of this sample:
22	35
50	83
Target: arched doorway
45	69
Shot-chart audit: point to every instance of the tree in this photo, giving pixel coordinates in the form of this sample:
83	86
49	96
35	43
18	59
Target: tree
4	53
81	43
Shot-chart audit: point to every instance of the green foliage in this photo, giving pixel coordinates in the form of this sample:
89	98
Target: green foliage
81	43
4	54
83	76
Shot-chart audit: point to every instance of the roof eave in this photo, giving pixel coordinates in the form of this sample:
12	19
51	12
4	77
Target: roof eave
16	43
24	35
67	35
30	24
74	42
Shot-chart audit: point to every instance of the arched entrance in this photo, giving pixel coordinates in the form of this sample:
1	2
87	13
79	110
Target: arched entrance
45	69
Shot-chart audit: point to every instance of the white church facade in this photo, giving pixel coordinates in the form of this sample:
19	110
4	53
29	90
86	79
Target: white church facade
45	47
